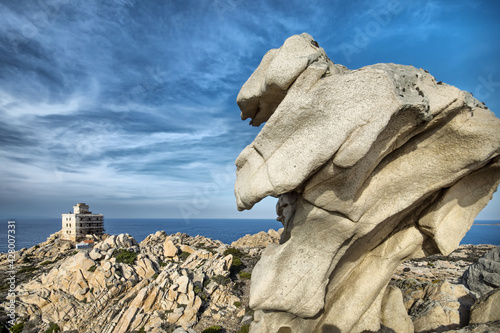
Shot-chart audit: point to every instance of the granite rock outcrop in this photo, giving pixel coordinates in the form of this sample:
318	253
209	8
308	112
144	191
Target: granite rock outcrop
121	285
484	276
258	240
487	308
372	167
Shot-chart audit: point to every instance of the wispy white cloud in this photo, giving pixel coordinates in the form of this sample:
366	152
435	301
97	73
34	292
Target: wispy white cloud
17	108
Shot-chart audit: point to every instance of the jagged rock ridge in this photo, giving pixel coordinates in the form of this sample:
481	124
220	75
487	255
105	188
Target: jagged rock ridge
371	166
97	291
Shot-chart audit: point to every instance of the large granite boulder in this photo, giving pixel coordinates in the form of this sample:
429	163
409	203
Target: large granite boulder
371	167
484	276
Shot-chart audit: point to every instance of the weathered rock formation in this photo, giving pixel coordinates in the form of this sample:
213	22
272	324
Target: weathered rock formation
487	308
371	166
484	276
439	305
121	285
258	240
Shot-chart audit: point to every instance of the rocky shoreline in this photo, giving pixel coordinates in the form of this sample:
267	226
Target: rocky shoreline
177	283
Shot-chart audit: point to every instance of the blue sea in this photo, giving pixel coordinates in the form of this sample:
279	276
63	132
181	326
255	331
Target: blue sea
30	232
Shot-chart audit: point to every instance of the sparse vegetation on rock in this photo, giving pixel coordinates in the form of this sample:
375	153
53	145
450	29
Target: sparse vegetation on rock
125	256
52	328
212	329
17	328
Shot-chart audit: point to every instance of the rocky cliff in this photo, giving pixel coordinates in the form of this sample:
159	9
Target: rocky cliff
176	283
163	283
372	167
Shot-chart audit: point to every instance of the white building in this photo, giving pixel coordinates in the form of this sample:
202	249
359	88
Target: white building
81	223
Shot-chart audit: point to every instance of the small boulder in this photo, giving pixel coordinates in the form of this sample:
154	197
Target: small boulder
95	254
487	308
394	313
187	248
443	305
169	249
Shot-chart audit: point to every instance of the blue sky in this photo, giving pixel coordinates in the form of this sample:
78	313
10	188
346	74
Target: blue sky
130	106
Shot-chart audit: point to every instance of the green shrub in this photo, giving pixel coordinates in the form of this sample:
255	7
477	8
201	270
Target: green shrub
52	328
212	329
219	279
245	275
244	329
237	304
155	275
74	252
200	293
92	268
197	290
236	262
236	266
184	255
48	262
235	252
142	330
208	248
124	256
17	328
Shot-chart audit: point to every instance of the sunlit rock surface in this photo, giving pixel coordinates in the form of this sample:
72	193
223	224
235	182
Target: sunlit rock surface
372	167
